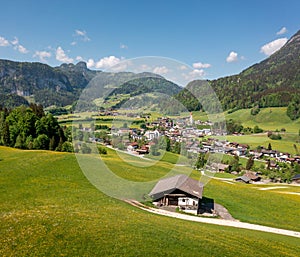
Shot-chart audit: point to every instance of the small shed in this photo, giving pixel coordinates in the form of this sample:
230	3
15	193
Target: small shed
220	167
243	178
253	176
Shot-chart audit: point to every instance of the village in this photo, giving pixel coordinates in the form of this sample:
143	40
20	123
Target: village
186	137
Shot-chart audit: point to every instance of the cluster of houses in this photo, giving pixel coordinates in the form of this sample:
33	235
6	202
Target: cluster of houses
190	136
187	131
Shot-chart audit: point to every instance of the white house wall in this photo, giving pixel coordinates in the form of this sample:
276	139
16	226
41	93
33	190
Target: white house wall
187	201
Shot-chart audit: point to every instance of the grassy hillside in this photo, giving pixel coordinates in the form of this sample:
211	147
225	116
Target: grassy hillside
268	119
48	208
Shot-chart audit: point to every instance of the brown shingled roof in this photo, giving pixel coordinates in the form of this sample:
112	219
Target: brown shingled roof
181	182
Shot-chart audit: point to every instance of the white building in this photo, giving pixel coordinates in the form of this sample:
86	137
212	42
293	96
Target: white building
150	135
191	119
187	201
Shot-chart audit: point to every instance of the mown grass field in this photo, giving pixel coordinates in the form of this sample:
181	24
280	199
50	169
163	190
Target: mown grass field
270	118
284	145
248	203
48	208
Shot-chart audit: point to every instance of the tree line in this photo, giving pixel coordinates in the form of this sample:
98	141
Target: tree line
30	128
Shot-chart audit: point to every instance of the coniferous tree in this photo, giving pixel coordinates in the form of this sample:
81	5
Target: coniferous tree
249	163
6	134
269	146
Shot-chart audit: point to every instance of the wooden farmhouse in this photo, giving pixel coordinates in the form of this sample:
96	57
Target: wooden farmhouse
179	190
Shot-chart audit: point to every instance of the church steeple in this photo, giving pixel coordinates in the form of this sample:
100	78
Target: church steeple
191	118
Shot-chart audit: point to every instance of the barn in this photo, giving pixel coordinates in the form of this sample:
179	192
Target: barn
179	190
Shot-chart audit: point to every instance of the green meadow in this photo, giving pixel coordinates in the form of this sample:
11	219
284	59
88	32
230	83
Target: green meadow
271	118
49	208
284	145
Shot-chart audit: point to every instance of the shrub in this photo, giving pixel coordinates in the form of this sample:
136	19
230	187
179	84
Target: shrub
67	147
255	110
85	149
257	129
275	136
41	142
102	150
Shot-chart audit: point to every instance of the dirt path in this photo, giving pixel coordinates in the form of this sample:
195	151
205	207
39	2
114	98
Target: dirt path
215	221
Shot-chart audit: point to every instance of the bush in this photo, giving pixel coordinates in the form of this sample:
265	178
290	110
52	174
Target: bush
85	149
121	146
275	137
29	143
257	129
102	150
67	147
255	110
20	142
41	142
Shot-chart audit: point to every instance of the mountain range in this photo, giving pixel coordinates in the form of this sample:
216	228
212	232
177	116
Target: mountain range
273	82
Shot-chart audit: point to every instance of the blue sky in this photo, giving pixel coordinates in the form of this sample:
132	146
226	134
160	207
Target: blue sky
216	38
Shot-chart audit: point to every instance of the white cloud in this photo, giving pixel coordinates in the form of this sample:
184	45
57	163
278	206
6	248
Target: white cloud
282	31
4	42
161	70
42	55
107	62
21	49
144	67
232	57
17	46
82	34
273	46
122	66
194	74
73	43
15	41
197	73
79	58
200	65
182	67
123	46
90	63
61	56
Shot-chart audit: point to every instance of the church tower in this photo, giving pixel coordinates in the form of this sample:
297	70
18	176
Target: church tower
191	118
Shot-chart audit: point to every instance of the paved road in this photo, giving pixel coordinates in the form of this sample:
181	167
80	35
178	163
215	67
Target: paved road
230	223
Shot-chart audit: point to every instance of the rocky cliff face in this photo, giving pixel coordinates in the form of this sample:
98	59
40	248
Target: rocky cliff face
48	85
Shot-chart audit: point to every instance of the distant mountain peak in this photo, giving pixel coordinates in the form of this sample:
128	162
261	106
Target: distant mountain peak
294	39
273	82
81	65
70	66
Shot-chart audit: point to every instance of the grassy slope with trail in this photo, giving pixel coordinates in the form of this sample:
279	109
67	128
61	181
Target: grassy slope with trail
49	208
